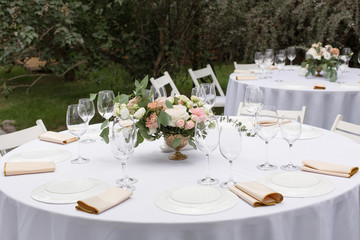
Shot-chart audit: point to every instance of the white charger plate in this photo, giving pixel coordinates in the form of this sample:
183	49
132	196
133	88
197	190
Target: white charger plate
196	200
41	155
68	190
307	132
298	184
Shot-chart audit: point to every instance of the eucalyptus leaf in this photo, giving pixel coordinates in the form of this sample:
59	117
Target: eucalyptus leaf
164	119
176	142
93	96
104	124
168	104
105	134
191	143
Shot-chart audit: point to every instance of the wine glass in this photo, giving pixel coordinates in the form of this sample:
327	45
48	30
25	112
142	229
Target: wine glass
267	125
76	118
347	53
207	139
230	144
279	63
90	109
342	66
269	60
123	141
105	103
291	55
210	94
283	52
253	100
290	131
259	60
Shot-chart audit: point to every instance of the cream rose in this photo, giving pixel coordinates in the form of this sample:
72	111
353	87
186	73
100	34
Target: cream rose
176	113
139	113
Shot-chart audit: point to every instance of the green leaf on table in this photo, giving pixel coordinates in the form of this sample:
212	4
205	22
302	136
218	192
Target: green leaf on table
105	134
168	104
140	139
176	142
164	119
104	124
93	96
191	143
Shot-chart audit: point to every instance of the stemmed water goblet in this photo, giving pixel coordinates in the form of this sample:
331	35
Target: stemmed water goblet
105	103
123	141
230	144
267	125
260	62
253	100
90	109
207	140
269	60
342	67
290	131
347	53
210	94
279	63
291	55
76	118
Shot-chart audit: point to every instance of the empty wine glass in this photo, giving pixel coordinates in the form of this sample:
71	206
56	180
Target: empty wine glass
253	100
207	139
123	141
210	94
260	61
105	103
290	131
90	109
267	125
291	55
230	144
342	60
280	64
283	52
347	52
76	118
269	60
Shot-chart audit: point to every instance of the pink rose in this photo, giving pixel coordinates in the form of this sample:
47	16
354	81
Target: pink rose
180	102
151	121
189	125
153	105
180	123
335	51
133	101
198	114
161	101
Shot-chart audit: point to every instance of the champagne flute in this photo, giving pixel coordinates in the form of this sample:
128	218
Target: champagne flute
291	55
90	109
76	118
230	144
290	131
123	141
210	94
207	139
105	103
267	124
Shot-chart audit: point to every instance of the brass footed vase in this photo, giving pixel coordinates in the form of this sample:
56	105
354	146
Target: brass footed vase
184	141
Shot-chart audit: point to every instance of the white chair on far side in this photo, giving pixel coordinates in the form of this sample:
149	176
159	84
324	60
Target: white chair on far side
281	113
244	67
162	81
346	129
15	139
208	72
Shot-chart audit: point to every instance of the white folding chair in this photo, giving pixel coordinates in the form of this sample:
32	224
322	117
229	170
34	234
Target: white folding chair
160	83
281	113
238	66
208	72
15	139
346	129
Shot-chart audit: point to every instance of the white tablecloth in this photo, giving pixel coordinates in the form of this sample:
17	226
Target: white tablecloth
332	216
296	91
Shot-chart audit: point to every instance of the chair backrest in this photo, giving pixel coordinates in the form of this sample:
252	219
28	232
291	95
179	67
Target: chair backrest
280	112
205	72
15	139
162	81
244	66
346	129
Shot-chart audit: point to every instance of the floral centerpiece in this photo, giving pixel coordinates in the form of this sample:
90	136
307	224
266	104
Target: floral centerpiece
319	58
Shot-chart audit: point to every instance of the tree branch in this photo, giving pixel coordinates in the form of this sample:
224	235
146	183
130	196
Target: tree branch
72	67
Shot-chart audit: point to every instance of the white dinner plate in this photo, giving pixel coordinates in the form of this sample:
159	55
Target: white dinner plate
68	190
196	200
41	155
298	184
307	132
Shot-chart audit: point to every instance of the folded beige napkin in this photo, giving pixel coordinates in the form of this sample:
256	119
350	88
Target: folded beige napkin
243	71
256	194
56	137
328	168
267	123
18	168
319	86
105	200
273	67
246	77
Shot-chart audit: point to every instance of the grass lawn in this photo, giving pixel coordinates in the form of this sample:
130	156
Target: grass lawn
48	99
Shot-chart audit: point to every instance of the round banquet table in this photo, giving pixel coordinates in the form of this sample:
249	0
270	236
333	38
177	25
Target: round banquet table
294	90
335	215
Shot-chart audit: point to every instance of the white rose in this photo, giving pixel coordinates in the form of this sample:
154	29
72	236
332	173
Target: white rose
327	55
195	98
311	52
190	104
116	111
184	98
200	104
124	113
139	113
171	99
176	113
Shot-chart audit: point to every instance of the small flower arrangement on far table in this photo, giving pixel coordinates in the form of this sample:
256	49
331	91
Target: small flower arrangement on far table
319	58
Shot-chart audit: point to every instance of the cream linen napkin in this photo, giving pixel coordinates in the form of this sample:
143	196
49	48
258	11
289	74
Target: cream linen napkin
256	194
246	77
56	137
328	168
105	200
18	168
